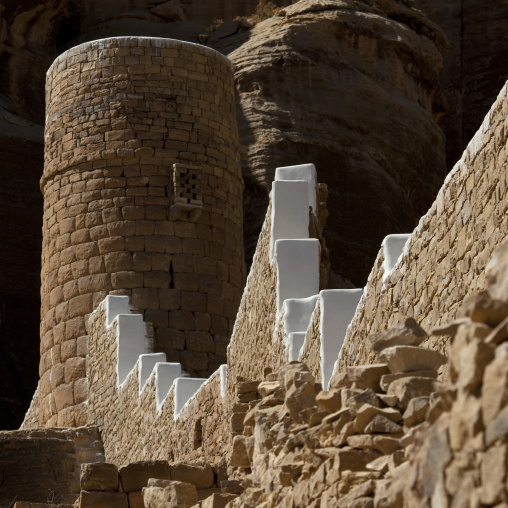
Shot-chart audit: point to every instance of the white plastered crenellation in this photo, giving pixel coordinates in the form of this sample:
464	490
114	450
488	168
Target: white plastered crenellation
393	249
305	172
297	269
338	306
290	211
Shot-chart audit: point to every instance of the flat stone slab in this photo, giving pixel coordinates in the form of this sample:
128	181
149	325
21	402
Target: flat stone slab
408	333
411	358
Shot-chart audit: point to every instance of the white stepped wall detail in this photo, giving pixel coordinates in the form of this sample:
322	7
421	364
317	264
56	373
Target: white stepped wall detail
132	352
393	248
338	307
290	211
164	394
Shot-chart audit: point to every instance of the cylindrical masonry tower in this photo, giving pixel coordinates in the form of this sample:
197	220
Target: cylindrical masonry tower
142	197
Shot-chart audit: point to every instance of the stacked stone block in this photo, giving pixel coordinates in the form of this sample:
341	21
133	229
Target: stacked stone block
126	117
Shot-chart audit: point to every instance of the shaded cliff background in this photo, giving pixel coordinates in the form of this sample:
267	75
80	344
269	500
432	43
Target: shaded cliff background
355	87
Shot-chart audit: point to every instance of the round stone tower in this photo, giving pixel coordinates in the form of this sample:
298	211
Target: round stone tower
142	197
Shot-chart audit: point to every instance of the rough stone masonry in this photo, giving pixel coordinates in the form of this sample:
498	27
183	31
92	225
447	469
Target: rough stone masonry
142	197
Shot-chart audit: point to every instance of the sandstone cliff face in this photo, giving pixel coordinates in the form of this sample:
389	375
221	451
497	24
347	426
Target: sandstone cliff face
474	70
352	87
25	53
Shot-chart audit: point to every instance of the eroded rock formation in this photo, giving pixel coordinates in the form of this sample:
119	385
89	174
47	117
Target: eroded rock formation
474	69
354	88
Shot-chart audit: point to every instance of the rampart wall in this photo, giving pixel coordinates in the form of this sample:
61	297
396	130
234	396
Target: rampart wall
146	407
444	259
285	315
137	415
143	198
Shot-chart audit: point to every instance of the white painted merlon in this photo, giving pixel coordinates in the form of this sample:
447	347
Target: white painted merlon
297	269
131	343
393	246
296	341
185	388
165	376
297	313
338	307
223	380
290	211
305	172
146	365
116	305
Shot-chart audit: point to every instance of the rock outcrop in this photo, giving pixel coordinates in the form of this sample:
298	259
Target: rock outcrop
473	70
354	88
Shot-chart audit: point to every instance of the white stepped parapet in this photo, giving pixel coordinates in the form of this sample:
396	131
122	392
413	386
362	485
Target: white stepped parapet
305	172
223	380
146	365
297	269
132	343
298	313
185	388
338	307
116	305
165	375
290	211
393	247
296	341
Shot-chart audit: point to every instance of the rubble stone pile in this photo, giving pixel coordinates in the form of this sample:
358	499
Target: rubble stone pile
412	430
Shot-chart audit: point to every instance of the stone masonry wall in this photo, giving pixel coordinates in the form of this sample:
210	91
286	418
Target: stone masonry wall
311	354
258	341
44	464
444	259
132	426
250	349
142	197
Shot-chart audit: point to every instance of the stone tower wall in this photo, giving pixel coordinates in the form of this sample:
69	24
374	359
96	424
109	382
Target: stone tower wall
142	197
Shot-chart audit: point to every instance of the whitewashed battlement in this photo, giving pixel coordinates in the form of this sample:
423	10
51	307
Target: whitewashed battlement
155	401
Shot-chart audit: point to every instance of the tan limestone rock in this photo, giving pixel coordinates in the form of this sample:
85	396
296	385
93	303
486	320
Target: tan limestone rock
329	400
416	411
496	272
367	376
493	474
240	456
497	428
175	495
408	333
103	500
366	397
382	425
99	476
470	363
218	500
198	473
495	385
135	476
136	499
266	388
367	412
351	459
410	387
402	359
231	487
389	378
482	308
499	334
387	400
465	421
449	328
